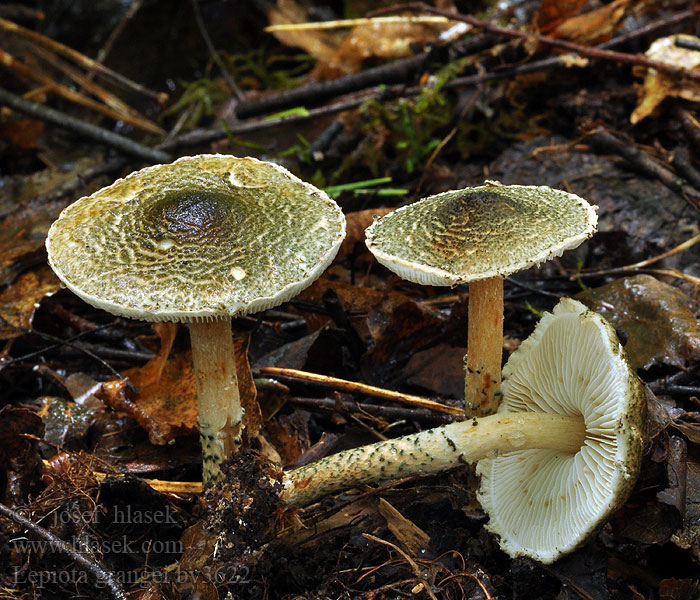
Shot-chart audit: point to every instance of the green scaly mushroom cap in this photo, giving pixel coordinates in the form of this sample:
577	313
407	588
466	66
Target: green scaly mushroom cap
481	232
205	237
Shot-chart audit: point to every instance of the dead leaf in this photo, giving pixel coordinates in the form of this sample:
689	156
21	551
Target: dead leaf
399	330
381	41
117	395
292	355
65	421
411	537
439	369
19	454
354	299
679	589
553	13
341	52
21	134
688	536
24	223
199	547
272	395
656	317
19	300
674	493
321	44
166	405
594	26
252	417
289	436
658	86
583	575
356	223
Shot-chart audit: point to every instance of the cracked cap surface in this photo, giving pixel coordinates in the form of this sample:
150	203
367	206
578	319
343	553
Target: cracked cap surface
481	232
204	237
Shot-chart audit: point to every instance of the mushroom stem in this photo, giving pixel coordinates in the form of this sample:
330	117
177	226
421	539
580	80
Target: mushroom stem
220	413
433	451
484	347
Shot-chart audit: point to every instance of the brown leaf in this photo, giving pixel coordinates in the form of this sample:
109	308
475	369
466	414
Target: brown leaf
285	436
65	421
356	223
199	547
19	300
117	395
679	589
167	393
252	417
656	317
594	26
553	13
21	134
439	369
166	405
382	41
19	455
688	536
321	44
24	224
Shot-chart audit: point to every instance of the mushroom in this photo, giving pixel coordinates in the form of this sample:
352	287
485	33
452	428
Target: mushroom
201	240
562	453
480	235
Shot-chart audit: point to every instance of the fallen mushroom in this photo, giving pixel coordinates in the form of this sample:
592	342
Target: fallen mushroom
201	240
560	456
480	235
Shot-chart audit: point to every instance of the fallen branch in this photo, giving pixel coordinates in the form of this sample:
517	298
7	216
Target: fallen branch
360	388
604	141
587	51
317	92
391	412
86	129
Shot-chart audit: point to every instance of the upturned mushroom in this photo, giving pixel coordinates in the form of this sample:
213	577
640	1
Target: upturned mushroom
480	235
560	456
201	240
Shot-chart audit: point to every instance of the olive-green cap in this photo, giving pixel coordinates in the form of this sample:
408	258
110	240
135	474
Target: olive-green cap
204	237
480	232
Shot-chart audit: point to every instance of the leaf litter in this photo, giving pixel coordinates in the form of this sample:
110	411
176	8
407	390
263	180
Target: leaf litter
97	431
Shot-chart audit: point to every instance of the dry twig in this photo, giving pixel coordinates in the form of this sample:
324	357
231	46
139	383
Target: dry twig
86	129
80	59
360	388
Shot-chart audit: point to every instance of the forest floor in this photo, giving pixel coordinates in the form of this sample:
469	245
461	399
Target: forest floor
100	463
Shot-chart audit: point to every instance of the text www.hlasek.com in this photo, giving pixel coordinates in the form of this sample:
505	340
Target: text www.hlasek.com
91	545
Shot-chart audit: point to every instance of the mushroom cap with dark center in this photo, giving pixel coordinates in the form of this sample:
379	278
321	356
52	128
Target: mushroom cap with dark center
544	503
481	232
207	236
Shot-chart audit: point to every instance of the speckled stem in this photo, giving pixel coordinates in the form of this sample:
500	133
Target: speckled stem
433	451
484	347
220	413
